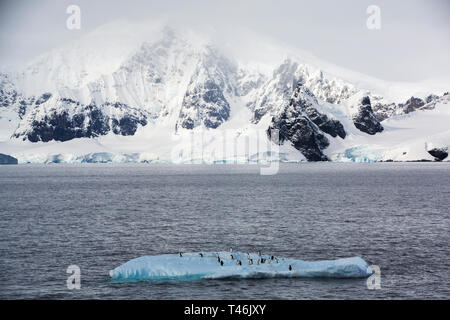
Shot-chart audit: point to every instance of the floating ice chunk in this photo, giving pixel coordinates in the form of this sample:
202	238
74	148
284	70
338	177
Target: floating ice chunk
193	266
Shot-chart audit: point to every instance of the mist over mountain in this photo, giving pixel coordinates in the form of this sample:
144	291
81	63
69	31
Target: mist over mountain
127	91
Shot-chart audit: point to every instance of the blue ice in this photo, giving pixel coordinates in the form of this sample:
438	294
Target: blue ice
193	266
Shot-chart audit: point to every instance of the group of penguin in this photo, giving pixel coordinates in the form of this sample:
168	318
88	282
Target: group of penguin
250	261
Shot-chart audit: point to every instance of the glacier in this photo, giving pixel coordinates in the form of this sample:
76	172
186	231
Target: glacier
110	97
206	265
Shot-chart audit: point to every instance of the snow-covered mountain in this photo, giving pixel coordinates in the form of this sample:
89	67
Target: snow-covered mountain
133	91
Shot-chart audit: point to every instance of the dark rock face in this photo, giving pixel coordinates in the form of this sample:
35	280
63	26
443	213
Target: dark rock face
217	107
431	98
8	93
6	159
303	134
11	98
439	153
204	104
257	115
305	101
384	111
331	126
127	124
301	124
62	127
44	98
84	122
276	92
7	98
412	105
365	119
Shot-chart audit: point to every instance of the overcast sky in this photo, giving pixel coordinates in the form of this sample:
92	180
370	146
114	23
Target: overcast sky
412	44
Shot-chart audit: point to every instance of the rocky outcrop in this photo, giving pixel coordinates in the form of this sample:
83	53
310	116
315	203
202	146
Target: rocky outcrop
124	120
43	98
365	119
304	126
414	104
306	101
303	134
384	111
331	126
8	93
439	153
70	119
204	102
411	105
10	98
277	90
6	159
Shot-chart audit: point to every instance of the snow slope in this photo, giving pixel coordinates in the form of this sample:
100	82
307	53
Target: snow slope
405	138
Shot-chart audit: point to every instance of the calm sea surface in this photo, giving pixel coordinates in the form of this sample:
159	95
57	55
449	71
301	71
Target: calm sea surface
98	216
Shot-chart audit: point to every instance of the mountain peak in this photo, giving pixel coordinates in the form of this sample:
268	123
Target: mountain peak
118	82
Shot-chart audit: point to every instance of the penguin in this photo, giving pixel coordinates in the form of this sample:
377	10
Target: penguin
201	255
250	262
221	263
180	254
248	255
218	259
239	263
259	253
231	250
276	260
263	260
290	268
271	257
232	257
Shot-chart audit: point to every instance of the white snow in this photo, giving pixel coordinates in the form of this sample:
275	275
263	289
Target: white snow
405	138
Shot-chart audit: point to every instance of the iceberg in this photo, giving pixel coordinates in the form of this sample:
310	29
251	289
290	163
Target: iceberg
7	159
206	265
